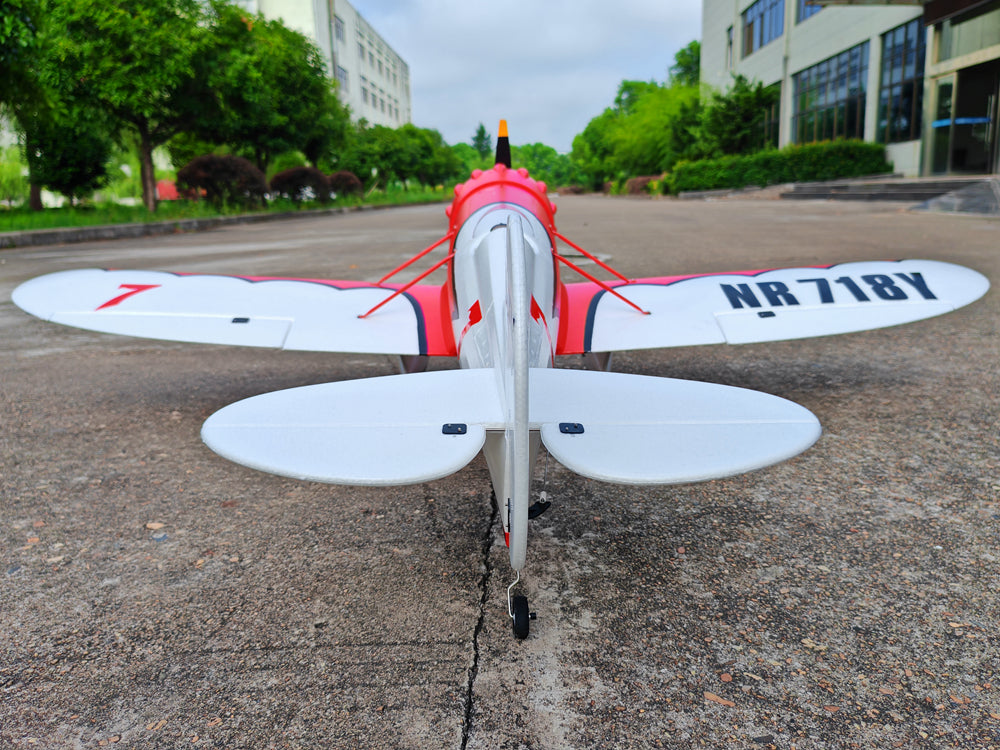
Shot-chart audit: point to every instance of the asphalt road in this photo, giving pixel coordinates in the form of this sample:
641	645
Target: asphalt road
155	595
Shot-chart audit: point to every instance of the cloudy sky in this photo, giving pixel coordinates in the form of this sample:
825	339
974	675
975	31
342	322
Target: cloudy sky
547	66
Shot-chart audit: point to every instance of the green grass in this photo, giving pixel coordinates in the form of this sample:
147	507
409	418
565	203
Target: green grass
21	219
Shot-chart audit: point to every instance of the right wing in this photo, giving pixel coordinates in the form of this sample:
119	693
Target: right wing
297	314
758	306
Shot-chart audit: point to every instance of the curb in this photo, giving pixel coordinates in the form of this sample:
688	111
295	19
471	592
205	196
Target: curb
69	235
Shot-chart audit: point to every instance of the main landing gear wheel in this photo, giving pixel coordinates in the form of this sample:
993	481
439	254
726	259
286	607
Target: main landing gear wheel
520	616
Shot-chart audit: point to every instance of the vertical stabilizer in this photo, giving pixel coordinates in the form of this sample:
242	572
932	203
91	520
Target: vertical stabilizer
516	434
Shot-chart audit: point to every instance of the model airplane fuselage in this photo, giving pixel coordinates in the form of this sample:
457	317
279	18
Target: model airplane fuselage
506	314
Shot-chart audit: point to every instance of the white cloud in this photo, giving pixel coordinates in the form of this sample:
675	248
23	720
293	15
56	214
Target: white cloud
547	66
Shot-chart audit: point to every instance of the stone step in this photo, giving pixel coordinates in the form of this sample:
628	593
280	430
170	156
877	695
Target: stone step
894	190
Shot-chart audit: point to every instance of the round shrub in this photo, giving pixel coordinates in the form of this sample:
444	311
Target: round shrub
223	180
301	184
345	183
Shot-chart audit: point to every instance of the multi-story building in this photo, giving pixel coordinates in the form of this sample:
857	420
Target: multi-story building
373	80
921	76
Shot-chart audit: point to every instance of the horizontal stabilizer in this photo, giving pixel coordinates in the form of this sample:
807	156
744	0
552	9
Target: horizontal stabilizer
635	429
614	427
376	431
296	314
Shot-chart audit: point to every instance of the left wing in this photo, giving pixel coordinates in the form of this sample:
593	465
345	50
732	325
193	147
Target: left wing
297	314
757	306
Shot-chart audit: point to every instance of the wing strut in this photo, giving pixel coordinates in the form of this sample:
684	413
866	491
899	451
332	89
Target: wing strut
593	257
413	260
406	286
600	283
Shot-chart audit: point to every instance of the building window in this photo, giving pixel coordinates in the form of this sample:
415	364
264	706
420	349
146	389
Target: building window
371	58
361	51
806	9
969	32
901	92
729	48
342	78
364	95
338	28
829	98
763	22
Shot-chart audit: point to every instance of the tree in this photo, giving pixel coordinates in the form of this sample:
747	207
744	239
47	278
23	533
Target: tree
138	62
733	123
650	128
592	149
13	186
67	139
660	129
19	22
269	88
68	151
482	142
546	164
686	70
401	154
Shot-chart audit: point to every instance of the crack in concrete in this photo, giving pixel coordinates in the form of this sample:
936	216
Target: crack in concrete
484	588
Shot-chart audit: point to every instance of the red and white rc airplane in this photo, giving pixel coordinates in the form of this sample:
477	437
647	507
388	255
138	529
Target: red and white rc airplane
505	313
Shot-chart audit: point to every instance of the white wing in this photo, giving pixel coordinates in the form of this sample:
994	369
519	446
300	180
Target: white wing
758	306
310	315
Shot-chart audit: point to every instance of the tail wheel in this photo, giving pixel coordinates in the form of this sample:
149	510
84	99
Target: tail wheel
521	616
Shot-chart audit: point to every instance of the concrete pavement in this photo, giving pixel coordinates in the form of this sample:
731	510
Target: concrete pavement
155	595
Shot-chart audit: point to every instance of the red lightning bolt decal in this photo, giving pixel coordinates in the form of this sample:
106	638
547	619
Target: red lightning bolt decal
133	289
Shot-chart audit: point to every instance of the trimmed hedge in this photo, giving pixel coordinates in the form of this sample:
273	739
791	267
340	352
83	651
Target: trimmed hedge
811	162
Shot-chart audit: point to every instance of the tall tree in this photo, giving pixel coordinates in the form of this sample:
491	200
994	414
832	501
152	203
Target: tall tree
270	89
482	142
68	149
546	164
686	70
733	122
138	61
19	21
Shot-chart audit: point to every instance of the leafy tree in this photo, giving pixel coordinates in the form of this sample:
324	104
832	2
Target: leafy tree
270	90
546	164
659	131
482	142
593	151
425	156
13	185
138	61
68	151
67	139
650	128
733	123
686	70
406	153
630	93
19	21
469	159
